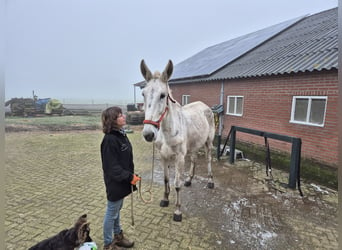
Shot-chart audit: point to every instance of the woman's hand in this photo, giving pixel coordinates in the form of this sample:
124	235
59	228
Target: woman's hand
135	179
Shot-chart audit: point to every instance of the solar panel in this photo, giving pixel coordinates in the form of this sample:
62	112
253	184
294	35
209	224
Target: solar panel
215	57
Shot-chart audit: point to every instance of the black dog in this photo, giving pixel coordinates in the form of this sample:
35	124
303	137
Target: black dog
67	239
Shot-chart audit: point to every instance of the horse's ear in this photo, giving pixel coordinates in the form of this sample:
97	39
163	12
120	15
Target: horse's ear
167	72
145	71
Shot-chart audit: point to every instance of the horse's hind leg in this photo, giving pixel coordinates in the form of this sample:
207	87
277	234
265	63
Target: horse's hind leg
165	201
208	148
191	174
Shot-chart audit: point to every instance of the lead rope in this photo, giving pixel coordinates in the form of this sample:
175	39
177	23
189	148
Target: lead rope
140	193
132	215
151	183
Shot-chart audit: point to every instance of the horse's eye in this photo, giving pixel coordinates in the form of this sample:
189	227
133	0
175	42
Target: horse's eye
162	96
142	94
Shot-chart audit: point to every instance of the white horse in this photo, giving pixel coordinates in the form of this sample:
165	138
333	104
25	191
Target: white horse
176	130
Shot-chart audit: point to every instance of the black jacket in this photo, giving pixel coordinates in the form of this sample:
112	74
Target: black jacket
117	165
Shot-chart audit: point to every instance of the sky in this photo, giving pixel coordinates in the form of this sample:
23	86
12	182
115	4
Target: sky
89	51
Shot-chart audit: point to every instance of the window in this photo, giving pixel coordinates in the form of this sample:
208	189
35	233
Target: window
185	99
309	110
235	105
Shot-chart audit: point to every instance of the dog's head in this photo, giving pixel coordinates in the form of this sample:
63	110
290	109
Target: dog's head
80	232
68	238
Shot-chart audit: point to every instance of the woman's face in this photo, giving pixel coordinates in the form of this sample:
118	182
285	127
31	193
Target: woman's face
121	120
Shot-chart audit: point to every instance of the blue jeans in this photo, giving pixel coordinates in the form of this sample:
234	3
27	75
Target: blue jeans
111	221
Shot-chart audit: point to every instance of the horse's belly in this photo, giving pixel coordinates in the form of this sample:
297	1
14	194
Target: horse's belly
195	145
197	134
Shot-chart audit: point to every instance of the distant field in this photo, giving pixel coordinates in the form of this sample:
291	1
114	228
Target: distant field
56	120
89	109
93	106
55	123
81	109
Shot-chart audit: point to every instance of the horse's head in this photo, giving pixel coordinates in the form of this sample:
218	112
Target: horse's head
156	95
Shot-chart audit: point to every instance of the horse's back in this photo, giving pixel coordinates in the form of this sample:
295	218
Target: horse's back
196	106
200	117
196	109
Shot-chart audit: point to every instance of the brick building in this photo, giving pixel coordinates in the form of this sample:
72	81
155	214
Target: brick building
281	79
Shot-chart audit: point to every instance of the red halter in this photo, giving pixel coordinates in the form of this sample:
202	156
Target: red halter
157	123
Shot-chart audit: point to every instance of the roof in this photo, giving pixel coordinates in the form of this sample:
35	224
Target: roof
302	44
210	59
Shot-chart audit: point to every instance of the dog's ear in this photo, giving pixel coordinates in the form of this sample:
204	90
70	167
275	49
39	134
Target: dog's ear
83	233
83	217
81	220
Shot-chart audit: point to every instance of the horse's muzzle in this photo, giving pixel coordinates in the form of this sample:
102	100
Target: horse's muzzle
149	136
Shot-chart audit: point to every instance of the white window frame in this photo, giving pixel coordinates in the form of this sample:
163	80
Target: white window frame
310	98
235	102
185	99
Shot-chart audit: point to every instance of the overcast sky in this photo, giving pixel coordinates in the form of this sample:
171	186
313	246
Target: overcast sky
91	49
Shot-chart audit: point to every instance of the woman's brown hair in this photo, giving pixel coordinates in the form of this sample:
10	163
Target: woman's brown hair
109	117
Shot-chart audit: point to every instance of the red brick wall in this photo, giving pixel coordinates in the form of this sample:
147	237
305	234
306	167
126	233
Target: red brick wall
267	107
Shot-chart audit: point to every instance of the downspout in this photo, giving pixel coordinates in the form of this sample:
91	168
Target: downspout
219	137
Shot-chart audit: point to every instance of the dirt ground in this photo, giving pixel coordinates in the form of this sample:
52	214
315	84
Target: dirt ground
246	209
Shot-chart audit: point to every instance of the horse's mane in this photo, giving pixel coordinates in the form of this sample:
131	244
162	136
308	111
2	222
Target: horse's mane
170	96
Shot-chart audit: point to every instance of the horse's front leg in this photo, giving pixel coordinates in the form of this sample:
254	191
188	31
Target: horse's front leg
165	201
177	216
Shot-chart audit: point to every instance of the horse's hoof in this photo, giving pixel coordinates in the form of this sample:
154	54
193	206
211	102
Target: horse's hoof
177	217
187	183
210	185
164	203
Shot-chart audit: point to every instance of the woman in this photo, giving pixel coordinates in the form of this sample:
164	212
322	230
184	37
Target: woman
118	173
